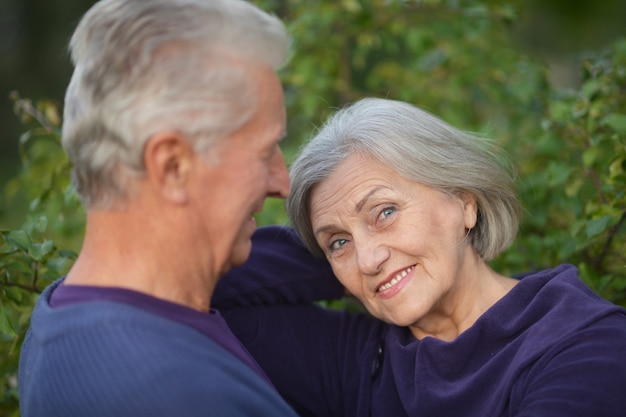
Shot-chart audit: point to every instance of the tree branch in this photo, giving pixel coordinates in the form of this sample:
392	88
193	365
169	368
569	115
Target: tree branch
21	286
609	241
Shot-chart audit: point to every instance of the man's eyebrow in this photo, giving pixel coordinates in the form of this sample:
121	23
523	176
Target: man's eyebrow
361	203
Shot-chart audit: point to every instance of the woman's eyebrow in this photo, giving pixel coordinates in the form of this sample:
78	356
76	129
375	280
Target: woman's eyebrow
358	208
361	203
324	230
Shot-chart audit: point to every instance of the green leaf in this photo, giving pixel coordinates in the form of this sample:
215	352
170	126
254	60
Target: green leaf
18	239
580	108
39	250
559	111
25	137
65	253
558	173
596	226
41	224
616	122
617	167
590	88
590	156
6	327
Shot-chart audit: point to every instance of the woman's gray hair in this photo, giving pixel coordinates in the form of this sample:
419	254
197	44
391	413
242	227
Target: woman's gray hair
419	147
144	66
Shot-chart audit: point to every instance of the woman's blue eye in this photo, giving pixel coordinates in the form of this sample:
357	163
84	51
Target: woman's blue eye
386	212
336	244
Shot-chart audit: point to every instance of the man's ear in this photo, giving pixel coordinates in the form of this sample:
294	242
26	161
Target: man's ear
168	158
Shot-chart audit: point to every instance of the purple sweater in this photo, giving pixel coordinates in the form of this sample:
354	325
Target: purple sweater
550	347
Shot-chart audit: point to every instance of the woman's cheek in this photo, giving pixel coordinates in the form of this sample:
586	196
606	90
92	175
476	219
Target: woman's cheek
342	275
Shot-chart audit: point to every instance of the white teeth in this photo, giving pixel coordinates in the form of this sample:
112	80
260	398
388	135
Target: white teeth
395	279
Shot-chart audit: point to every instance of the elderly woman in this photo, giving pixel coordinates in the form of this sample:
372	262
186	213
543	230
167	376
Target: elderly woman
407	211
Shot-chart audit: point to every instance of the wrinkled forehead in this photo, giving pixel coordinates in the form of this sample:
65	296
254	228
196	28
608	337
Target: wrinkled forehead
345	190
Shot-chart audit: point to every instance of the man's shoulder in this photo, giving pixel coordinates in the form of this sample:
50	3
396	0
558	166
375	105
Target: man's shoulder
119	327
101	352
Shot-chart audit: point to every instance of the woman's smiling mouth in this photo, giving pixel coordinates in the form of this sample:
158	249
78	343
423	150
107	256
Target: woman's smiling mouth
388	288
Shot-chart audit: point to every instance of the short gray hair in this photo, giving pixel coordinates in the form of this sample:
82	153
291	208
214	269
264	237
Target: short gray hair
144	66
419	147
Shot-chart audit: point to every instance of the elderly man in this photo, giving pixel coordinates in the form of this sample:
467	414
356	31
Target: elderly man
172	121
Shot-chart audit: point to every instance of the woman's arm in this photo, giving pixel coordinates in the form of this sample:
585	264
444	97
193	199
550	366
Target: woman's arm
318	359
280	270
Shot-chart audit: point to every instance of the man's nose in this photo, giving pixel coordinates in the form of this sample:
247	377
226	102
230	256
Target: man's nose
278	181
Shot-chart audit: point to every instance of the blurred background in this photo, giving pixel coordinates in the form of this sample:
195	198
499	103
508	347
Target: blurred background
546	79
34	34
358	38
33	38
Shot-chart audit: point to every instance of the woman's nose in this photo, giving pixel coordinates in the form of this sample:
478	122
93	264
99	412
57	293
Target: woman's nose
371	256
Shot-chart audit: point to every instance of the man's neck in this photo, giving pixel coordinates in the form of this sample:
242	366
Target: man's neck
120	251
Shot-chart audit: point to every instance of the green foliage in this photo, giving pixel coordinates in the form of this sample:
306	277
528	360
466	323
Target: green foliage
461	60
456	59
29	256
574	179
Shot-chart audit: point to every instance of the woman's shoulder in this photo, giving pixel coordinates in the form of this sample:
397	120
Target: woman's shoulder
555	304
562	287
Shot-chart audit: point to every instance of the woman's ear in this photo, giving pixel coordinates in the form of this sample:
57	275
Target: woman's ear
470	209
168	158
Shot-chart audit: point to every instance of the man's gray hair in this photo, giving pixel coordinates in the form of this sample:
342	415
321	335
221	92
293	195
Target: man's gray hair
145	66
419	147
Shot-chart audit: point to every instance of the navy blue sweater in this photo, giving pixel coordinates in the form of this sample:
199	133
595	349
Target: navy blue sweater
103	352
550	347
